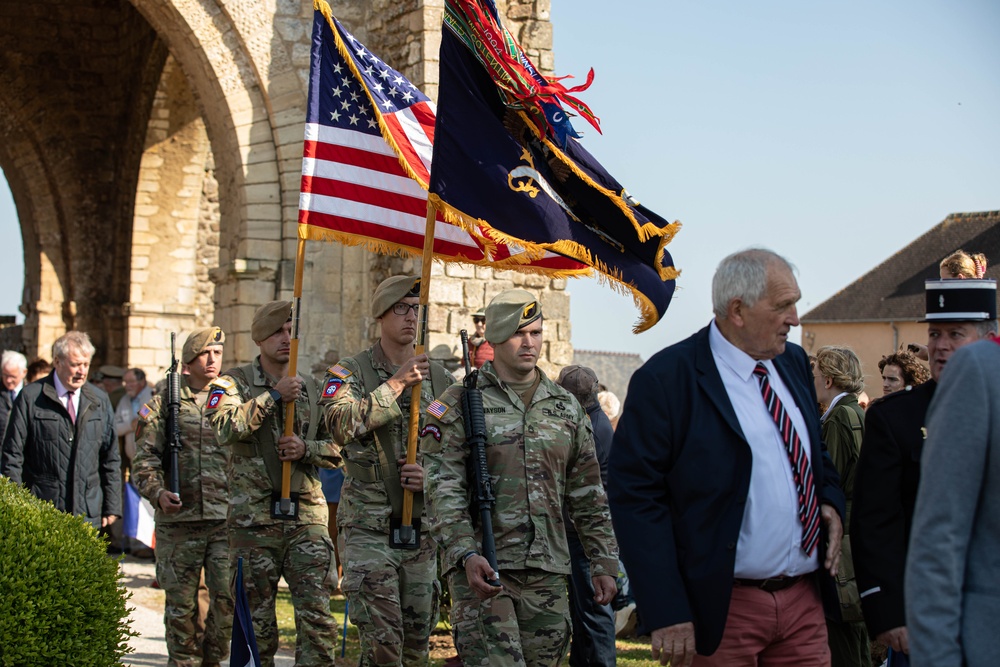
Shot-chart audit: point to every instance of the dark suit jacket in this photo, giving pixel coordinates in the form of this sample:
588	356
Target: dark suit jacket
75	466
5	406
885	492
678	483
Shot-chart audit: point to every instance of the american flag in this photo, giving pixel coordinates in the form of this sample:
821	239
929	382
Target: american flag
367	160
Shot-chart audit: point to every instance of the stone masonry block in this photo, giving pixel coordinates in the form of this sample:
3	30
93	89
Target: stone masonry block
447	291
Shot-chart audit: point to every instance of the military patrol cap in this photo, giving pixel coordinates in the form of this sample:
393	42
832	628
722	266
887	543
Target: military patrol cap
111	371
269	318
961	300
509	311
393	290
199	341
579	381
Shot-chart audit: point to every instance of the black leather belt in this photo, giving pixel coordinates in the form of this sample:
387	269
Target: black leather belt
771	585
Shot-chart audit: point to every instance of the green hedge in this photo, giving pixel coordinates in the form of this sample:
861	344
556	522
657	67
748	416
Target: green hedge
61	597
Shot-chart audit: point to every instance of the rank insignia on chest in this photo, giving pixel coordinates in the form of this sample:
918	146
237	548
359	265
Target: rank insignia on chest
339	371
215	397
332	385
437	408
431	430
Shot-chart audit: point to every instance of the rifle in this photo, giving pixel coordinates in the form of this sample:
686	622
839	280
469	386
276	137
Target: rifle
173	420
475	434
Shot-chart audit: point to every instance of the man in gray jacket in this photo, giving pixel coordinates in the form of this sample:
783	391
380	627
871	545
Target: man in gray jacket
951	571
60	440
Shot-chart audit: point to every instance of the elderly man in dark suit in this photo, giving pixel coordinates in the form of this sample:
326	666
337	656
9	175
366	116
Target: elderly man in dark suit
959	312
727	507
60	440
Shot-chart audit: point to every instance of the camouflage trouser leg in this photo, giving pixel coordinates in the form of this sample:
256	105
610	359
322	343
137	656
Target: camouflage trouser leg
393	596
527	624
219	622
182	550
303	554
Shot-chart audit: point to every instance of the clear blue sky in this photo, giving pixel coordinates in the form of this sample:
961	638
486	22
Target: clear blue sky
834	133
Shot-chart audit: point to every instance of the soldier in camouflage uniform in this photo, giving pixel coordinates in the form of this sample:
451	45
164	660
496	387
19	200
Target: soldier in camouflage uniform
541	458
249	412
393	593
190	528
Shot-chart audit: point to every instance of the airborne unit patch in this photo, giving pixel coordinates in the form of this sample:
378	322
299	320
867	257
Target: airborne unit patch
215	397
332	385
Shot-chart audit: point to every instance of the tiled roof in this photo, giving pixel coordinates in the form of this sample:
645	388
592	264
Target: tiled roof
894	290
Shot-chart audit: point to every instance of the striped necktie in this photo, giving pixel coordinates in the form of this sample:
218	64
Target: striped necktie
801	470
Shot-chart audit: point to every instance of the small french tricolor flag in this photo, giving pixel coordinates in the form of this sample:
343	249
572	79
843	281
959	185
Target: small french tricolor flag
139	523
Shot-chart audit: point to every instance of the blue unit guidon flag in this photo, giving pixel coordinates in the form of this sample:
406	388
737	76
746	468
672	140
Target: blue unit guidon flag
367	158
525	176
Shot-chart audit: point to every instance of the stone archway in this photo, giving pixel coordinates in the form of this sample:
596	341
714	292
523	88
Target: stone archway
161	138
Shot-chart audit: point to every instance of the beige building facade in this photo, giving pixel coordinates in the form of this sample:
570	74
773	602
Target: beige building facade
153	149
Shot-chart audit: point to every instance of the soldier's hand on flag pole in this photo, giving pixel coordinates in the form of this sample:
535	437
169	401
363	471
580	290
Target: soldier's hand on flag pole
291	448
415	369
290	388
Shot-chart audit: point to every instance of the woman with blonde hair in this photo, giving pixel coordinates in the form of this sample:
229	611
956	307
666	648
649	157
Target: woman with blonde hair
838	378
961	264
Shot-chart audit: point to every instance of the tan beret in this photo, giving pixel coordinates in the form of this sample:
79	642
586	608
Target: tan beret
579	381
509	311
393	290
111	371
269	318
199	341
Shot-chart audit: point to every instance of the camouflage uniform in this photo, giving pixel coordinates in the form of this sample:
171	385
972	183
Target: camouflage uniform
393	593
194	537
540	458
249	420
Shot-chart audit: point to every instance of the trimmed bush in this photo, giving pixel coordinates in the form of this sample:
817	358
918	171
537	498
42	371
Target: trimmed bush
61	597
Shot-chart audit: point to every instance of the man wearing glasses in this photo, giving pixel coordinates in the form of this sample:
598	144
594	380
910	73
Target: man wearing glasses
366	404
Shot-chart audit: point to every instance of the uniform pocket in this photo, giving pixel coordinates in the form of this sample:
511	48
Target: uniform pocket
352	586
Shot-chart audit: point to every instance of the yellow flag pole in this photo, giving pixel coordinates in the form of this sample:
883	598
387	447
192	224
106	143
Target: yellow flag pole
285	503
405	531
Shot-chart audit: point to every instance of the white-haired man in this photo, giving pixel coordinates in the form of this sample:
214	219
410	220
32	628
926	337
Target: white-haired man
13	369
60	441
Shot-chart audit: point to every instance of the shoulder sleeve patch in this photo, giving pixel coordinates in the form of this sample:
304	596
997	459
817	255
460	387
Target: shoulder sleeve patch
338	371
432	430
437	409
223	382
145	411
331	387
215	398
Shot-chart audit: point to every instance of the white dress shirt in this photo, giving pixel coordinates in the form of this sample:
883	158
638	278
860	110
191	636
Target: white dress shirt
63	393
770	542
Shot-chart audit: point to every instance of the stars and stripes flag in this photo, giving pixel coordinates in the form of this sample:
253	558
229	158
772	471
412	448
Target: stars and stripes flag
367	158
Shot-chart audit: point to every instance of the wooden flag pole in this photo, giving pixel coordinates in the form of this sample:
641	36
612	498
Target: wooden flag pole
411	441
285	503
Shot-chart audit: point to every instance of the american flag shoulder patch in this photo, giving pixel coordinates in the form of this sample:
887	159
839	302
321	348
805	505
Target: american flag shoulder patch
144	411
339	371
223	382
437	409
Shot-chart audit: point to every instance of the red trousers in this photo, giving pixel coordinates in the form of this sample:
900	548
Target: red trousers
781	629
